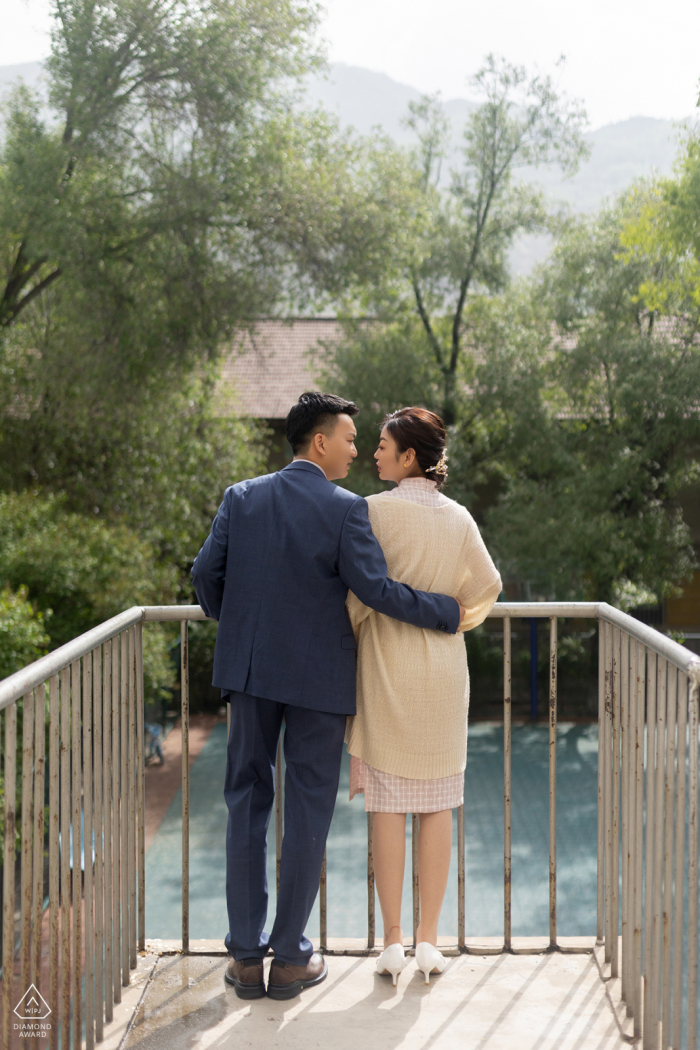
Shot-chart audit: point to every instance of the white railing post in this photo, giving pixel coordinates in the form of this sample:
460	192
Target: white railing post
678	926
649	845
657	829
141	791
615	865
8	869
99	940
185	721
667	928
552	782
624	813
370	885
54	859
507	738
600	866
87	721
76	855
692	1038
607	779
639	694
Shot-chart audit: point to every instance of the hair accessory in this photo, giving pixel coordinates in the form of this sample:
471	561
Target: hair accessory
440	467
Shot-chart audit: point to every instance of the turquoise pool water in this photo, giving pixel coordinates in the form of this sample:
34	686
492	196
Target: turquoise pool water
347	844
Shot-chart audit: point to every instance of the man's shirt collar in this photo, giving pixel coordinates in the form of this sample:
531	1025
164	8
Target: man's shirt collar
302	459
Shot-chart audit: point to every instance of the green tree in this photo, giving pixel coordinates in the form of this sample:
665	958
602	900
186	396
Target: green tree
180	176
175	193
595	423
138	225
451	249
152	455
23	637
579	422
165	117
663	231
464	233
78	572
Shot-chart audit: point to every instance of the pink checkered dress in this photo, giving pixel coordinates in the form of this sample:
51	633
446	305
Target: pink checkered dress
386	792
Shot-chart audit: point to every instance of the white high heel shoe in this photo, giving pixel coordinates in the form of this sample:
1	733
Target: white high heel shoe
429	959
392	961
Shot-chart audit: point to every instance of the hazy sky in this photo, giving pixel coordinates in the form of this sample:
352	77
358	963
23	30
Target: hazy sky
624	57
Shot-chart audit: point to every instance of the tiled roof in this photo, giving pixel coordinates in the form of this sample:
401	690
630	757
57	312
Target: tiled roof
271	364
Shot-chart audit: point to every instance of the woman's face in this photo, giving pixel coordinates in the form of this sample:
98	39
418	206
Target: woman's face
392	464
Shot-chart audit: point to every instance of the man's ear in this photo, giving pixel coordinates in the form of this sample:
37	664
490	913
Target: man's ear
318	441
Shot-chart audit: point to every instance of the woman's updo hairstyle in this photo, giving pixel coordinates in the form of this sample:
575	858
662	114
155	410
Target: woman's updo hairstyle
424	432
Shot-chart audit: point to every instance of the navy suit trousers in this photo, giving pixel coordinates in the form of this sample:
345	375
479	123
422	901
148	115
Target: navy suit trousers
313	743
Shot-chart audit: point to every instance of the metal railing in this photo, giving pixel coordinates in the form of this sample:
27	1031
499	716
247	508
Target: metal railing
647	880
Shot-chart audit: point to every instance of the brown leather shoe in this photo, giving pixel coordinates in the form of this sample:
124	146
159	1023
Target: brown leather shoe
285	981
246	976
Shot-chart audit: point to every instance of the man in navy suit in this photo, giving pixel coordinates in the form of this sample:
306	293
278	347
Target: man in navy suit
275	571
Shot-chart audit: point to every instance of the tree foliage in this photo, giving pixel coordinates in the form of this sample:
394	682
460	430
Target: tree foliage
23	637
175	194
465	232
663	231
604	424
152	455
579	424
179	177
156	169
78	572
603	418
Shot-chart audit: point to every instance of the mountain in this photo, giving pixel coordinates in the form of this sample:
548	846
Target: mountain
29	72
620	152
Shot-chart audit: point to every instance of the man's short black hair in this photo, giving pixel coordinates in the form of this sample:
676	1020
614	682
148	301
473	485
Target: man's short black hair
314	412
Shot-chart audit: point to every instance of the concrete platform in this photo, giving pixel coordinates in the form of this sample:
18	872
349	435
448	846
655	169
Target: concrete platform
480	1002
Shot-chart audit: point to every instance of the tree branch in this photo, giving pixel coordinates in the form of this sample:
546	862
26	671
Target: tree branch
19	275
467	279
423	314
8	316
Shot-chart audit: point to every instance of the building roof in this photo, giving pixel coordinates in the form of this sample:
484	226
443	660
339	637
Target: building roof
270	364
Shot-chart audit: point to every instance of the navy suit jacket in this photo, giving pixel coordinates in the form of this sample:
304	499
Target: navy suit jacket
275	571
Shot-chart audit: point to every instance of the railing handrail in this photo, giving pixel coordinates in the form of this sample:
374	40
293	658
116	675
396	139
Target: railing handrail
677	654
33	675
524	610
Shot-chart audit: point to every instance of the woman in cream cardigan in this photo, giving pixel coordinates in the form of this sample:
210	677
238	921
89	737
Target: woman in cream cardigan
408	740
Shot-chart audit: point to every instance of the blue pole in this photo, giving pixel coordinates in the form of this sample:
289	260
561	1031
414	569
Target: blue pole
533	668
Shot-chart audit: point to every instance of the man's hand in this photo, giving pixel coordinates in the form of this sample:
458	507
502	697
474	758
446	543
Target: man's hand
462	613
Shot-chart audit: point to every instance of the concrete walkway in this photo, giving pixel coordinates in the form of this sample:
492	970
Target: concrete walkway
480	1002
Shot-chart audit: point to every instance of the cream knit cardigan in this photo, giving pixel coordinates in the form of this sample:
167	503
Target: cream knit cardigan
413	684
